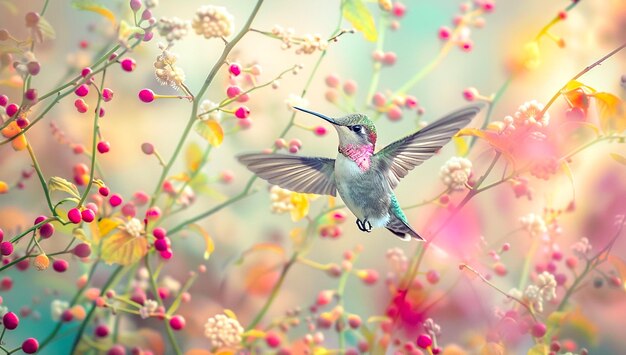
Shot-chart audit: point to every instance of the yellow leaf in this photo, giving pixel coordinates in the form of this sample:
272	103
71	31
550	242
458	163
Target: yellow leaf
193	156
126	31
492	348
320	351
556	320
254	333
273	247
471	132
210	246
211	130
123	248
301	206
608	109
574	84
539	349
618	158
566	169
461	146
60	184
532	55
19	143
103	228
87	5
79	234
355	12
230	314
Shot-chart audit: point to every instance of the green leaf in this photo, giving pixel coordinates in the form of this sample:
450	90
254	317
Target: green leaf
60	184
46	29
355	12
619	158
127	30
88	5
210	130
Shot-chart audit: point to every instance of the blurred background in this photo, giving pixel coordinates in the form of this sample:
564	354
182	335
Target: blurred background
467	306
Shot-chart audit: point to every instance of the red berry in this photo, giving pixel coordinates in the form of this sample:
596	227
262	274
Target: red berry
115	200
10	321
394	113
82	90
67	316
117	350
107	94
4	100
60	265
81	105
30	346
235	69
272	339
46	231
88	215
320	131
85	72
101	331
11	110
470	94
159	233
166	254
128	64
177	322
424	341
539	330
104	147
74	215
6	283
354	321
104	191
31	94
146	95
398	9
242	112
444	33
161	244
82	250
233	91
6	248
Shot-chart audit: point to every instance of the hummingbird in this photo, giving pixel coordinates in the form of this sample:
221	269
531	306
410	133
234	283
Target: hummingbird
364	179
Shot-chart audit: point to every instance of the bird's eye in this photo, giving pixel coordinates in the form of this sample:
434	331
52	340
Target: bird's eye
357	128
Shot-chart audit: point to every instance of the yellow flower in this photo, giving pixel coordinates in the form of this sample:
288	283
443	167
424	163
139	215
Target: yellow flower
300	204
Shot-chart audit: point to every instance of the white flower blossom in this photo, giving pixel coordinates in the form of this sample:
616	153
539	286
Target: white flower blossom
281	200
547	285
173	29
149	307
581	248
134	227
223	331
307	44
57	307
455	172
534	297
213	21
206	106
166	71
534	224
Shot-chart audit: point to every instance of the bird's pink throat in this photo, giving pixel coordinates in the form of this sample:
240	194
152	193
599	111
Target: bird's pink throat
361	154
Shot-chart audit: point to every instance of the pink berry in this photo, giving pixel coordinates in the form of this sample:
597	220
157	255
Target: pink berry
85	72
235	69
539	330
101	331
410	102
390	58
444	33
320	131
166	254
129	210
46	231
159	233
161	244
10	321
147	148
331	95
128	64
82	250
256	70
242	112
177	322
233	91
398	9
117	350
67	315
470	94
74	215
272	339
88	215
488	6
467	45
432	276
243	97
107	94
350	87
153	213
394	113
81	105
82	90
30	346
31	95
32	19
378	56
354	321
4	100
146	95
135	5
115	200
60	265
104	191
370	277
104	147
33	68
11	110
424	341
379	99
332	80
22	122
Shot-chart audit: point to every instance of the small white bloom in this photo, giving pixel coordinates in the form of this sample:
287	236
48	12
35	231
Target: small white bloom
581	248
213	21
296	100
281	200
209	106
455	172
532	294
149	307
166	71
134	227
533	224
173	29
57	307
527	113
547	285
223	331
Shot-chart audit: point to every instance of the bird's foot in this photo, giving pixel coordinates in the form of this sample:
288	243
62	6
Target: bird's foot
364	225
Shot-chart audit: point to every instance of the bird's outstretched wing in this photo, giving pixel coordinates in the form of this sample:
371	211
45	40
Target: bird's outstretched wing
401	156
299	174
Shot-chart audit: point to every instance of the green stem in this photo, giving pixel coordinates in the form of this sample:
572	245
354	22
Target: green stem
382	25
42	180
257	319
496	98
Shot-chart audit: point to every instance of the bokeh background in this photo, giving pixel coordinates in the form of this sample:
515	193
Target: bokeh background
467	307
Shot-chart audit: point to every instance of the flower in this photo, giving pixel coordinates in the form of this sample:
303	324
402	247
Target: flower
581	248
547	285
223	331
287	201
455	172
296	100
308	44
173	29
149	307
165	70
134	227
212	108
533	296
213	21
57	307
534	224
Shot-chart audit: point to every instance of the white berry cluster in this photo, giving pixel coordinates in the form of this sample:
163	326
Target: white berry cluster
533	224
281	200
166	71
307	44
223	331
173	29
213	21
455	172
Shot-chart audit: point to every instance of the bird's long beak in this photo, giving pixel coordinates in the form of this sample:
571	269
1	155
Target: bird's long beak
326	118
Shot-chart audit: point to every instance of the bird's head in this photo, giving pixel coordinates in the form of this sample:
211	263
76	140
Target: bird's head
355	129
